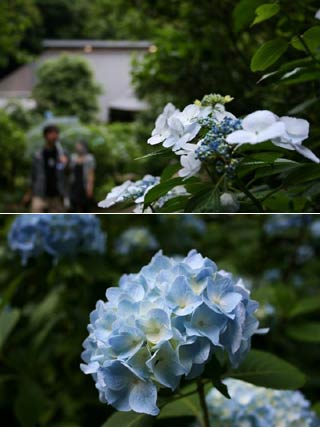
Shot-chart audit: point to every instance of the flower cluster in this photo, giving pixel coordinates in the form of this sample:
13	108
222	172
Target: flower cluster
253	406
57	235
135	192
130	191
162	324
135	239
206	132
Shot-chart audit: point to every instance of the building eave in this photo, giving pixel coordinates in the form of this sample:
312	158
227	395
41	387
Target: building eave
96	44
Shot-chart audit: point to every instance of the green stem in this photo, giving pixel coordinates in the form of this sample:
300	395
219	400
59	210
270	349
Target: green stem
203	403
247	192
306	47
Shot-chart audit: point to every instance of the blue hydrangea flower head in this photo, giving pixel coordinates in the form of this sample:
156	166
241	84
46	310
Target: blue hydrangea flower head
164	324
58	235
253	406
135	239
284	222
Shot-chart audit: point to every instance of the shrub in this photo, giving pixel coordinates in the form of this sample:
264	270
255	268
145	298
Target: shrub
66	87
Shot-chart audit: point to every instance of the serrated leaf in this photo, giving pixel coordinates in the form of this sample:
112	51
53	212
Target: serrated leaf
265	369
266	11
305	332
268	54
129	419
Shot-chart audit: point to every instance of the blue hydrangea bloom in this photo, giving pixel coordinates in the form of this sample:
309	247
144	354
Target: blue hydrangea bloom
162	324
280	223
57	235
253	406
135	239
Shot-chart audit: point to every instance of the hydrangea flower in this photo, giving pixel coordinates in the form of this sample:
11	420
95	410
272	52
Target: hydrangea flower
253	406
164	324
135	238
175	128
286	132
135	193
283	222
205	132
130	191
57	235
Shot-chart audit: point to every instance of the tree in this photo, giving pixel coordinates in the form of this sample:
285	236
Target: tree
66	87
16	18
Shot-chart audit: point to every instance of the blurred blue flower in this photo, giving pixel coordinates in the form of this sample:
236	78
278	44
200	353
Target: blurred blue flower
135	239
283	222
163	323
253	406
60	235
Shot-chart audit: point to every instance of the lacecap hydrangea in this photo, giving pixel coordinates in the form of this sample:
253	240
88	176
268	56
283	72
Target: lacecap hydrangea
253	406
58	235
163	324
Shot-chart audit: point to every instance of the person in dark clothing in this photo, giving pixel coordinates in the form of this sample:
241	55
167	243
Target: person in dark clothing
82	167
48	174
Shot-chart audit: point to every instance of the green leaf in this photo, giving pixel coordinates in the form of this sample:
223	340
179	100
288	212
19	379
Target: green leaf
303	106
311	38
305	332
204	201
266	11
303	173
264	369
316	408
305	306
8	320
187	406
174	205
155	153
244	13
129	419
161	190
169	171
268	54
30	403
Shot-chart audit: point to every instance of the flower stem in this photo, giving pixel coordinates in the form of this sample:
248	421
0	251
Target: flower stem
255	201
203	403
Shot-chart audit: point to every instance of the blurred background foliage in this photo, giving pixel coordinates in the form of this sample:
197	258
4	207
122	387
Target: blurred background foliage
45	307
264	53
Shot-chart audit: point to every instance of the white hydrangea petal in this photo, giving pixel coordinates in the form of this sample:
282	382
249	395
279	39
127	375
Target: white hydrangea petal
273	131
259	120
296	127
307	153
156	139
241	137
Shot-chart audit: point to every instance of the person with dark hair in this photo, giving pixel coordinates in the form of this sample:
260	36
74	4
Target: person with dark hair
82	176
48	174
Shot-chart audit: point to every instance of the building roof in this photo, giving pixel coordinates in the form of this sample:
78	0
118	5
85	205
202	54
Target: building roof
97	44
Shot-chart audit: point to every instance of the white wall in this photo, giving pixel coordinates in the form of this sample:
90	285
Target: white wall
111	68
